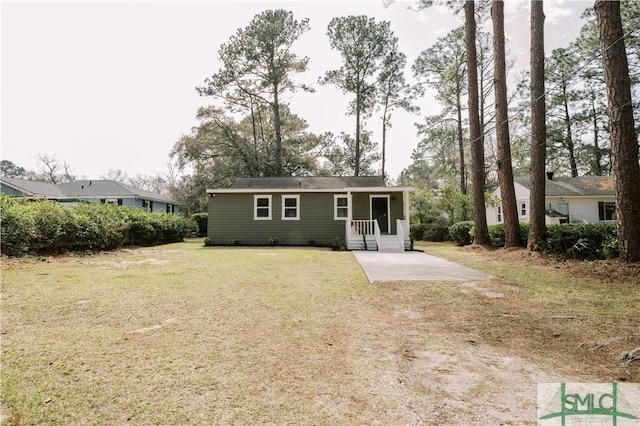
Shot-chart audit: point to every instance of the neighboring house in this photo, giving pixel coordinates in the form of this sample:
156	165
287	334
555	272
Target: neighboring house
361	211
585	199
94	191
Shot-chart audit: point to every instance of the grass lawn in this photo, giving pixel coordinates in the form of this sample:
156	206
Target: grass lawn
187	335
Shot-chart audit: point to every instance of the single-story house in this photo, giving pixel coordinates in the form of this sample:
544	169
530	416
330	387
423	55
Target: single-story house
94	191
361	211
584	199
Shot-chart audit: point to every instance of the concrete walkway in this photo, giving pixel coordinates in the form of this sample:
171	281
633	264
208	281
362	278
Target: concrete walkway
413	266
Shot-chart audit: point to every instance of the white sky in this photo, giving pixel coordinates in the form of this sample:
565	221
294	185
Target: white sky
110	85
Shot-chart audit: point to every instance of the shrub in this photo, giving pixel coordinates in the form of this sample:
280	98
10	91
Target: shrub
312	241
235	242
497	238
17	225
416	231
32	226
590	241
460	233
337	244
436	232
201	220
207	241
273	241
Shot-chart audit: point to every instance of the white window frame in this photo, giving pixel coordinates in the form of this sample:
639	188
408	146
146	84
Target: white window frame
523	209
284	201
255	207
336	206
499	216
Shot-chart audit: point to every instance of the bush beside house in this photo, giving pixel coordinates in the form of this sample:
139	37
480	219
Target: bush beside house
48	226
576	241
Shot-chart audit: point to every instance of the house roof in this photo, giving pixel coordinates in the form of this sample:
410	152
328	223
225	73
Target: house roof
582	186
309	184
34	188
338	182
83	189
109	188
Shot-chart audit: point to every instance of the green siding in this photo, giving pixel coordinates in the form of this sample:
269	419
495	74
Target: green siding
231	218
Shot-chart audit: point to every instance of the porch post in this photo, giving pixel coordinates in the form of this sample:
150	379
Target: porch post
405	196
349	216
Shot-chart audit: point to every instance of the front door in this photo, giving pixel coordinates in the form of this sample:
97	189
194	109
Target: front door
380	212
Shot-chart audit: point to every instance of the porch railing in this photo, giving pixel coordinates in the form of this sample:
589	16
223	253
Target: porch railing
361	227
377	233
401	232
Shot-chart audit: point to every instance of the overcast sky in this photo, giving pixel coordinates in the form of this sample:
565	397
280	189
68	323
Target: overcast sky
110	85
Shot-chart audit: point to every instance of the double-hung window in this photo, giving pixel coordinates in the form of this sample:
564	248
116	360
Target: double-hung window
523	209
607	210
499	214
262	207
290	207
340	207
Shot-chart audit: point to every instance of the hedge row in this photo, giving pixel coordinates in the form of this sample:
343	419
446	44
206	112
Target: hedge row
578	241
48	226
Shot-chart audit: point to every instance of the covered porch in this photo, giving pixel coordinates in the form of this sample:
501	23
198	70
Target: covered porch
378	219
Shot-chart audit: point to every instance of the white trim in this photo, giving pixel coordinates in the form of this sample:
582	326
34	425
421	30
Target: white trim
335	206
291	197
522	205
255	207
388	197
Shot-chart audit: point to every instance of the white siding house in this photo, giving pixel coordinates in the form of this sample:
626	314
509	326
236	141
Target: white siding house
585	199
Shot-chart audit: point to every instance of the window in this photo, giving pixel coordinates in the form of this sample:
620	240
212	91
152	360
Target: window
499	214
607	210
341	207
290	207
262	207
523	209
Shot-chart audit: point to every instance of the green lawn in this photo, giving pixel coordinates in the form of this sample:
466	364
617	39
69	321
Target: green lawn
183	334
170	335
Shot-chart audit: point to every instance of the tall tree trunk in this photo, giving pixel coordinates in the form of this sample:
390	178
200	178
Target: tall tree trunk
356	167
477	147
624	144
537	225
505	169
276	123
384	136
356	160
568	141
597	152
463	170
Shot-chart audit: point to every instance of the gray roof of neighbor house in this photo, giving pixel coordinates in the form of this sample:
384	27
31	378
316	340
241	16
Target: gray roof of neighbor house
34	188
109	188
83	189
575	186
338	182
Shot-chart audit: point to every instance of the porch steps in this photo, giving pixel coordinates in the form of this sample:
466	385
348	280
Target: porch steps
389	243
